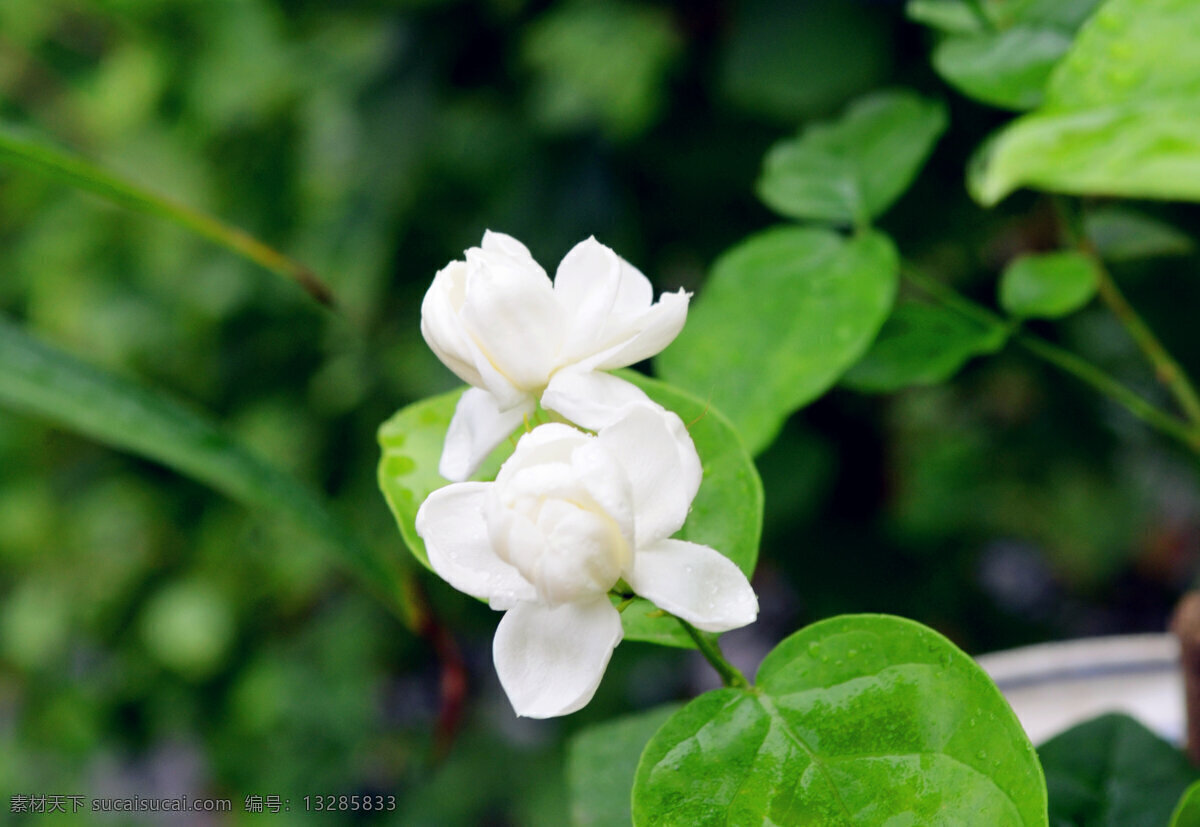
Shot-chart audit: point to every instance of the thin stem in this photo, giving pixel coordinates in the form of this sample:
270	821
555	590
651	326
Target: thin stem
1168	371
1061	358
731	676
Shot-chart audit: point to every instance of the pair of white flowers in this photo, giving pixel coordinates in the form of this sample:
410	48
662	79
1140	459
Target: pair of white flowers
571	514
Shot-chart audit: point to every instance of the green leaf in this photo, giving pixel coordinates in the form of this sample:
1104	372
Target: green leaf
1112	770
726	514
782	316
970	16
852	169
1048	286
1121	234
50	384
601	762
74	171
1120	115
856	720
922	344
1008	69
951	16
1187	812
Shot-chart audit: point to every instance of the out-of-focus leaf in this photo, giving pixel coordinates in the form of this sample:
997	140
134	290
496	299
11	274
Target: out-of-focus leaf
601	762
951	16
852	169
1112	770
63	166
726	513
1008	69
1048	286
782	316
600	64
922	344
860	719
1119	117
44	382
790	60
1121	234
969	17
1187	812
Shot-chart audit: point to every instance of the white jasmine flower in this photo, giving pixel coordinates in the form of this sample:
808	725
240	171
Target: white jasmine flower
568	516
498	322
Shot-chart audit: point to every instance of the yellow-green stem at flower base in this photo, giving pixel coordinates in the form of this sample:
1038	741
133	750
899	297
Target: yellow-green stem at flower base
731	676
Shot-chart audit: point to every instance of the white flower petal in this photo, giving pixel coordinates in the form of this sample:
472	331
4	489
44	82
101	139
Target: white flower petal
586	284
441	327
590	400
477	427
695	583
551	659
549	443
507	245
656	329
661	462
451	522
511	312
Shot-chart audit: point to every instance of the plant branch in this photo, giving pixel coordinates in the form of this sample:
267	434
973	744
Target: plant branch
731	676
1166	369
1060	358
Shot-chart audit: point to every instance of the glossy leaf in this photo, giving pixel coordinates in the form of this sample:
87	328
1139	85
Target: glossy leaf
852	169
1047	286
726	514
1112	770
601	762
1121	234
22	151
1187	811
1008	68
802	305
860	719
922	344
1119	117
50	384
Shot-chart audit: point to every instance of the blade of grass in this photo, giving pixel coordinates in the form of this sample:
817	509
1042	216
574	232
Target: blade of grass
48	383
39	156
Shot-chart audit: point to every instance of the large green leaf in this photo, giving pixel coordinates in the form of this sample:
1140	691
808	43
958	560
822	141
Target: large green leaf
781	317
852	169
1048	286
726	514
1008	69
922	344
1187	811
1120	115
39	156
601	762
1112	770
856	720
50	384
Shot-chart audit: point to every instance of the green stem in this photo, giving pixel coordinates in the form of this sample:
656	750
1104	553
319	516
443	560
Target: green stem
1168	371
1062	359
731	676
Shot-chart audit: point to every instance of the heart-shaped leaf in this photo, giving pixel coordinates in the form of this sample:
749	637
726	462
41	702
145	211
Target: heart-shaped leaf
856	720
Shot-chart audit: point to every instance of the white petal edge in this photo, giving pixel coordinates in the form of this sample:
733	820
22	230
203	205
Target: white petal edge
550	659
656	329
591	400
477	427
661	462
695	583
451	523
586	284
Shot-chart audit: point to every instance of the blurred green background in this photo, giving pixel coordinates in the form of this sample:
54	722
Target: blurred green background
157	639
